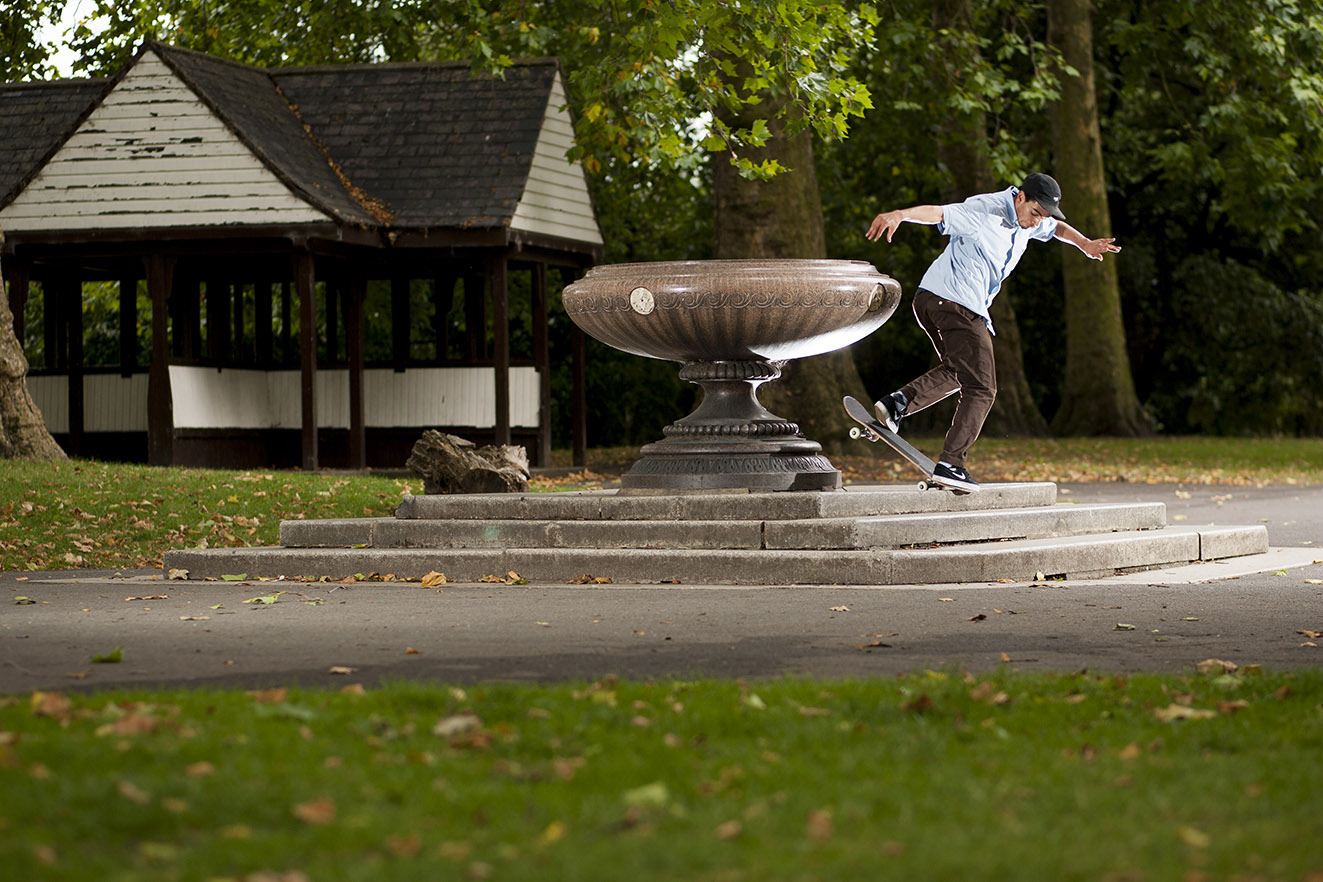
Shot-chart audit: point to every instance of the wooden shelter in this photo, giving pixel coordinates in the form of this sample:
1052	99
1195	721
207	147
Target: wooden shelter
334	258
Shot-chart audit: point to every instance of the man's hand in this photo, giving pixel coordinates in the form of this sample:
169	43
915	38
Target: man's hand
1096	248
888	221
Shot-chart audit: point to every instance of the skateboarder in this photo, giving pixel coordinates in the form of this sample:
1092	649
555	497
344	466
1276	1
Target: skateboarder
989	233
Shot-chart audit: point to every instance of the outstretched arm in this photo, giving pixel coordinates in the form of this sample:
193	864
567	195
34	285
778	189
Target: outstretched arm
887	222
1094	248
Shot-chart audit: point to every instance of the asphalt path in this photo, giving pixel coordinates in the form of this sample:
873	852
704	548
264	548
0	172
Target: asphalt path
1258	610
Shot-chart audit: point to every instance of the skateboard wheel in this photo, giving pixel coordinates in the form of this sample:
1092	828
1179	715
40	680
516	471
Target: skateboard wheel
855	433
923	485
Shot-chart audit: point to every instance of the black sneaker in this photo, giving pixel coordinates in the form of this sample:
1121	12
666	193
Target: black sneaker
954	477
891	409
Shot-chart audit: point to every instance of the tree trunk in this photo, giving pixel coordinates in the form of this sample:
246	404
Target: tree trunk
963	149
1098	397
782	218
23	432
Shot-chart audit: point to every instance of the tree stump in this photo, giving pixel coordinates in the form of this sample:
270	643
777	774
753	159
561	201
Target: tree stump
450	464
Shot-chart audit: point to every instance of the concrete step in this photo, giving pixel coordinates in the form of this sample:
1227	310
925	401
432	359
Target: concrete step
718	505
1085	556
877	531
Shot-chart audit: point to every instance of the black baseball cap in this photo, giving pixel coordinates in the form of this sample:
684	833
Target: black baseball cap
1044	190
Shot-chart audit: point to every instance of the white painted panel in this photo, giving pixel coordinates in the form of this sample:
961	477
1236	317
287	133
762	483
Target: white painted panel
51	395
205	398
112	403
208	398
178	163
545	207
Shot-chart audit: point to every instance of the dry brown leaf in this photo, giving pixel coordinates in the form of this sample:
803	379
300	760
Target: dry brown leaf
1217	666
1173	712
278	695
1311	634
316	811
840	609
818	825
433	579
200	769
729	830
341	669
132	792
1131	751
448	727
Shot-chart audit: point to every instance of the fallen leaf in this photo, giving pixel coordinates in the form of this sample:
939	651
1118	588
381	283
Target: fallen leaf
840	609
227	577
1122	626
21	600
654	795
115	655
1312	635
554	832
1230	707
448	727
1005	658
1194	838
1173	712
543	624
409	650
316	811
341	669
194	618
433	579
818	825
1216	665
978	618
178	573
266	599
1131	751
132	792
729	830
946	600
148	597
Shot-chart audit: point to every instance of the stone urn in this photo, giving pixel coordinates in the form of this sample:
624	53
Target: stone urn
732	324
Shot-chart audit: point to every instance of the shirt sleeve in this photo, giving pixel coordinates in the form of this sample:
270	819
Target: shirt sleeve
965	218
1046	229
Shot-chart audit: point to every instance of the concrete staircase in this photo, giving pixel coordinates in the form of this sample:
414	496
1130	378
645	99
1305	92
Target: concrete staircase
862	535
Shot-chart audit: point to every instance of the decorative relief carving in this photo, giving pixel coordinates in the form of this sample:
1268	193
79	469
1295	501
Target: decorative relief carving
731	465
669	300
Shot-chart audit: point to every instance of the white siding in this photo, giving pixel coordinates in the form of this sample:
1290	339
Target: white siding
153	155
555	200
205	398
111	403
51	395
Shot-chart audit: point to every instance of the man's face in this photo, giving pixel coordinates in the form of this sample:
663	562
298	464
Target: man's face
1028	212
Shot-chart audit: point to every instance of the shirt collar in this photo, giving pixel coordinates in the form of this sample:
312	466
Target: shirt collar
1008	218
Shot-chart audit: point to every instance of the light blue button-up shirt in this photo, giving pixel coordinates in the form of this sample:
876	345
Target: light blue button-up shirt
986	244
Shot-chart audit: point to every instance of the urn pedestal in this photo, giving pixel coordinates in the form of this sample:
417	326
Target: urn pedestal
732	324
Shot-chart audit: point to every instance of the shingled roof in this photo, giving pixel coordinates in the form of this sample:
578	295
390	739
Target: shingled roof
379	146
34	119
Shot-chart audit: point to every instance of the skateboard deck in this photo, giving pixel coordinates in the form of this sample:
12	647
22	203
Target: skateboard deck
871	430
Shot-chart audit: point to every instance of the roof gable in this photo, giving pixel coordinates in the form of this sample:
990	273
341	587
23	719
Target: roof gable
416	146
152	154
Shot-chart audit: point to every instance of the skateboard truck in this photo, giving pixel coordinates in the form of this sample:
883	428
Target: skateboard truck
871	430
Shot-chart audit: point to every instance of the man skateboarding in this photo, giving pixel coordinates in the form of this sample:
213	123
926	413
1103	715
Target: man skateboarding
989	233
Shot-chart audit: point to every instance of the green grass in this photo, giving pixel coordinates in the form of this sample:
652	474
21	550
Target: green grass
82	513
929	776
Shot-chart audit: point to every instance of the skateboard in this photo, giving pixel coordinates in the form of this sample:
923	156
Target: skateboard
871	430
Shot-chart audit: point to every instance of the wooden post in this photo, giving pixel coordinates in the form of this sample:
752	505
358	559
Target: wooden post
498	283
51	324
262	323
128	326
286	325
18	297
357	291
218	321
160	401
443	298
399	323
475	317
305	283
72	295
542	363
333	300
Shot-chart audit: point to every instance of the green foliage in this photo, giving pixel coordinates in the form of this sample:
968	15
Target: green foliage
911	777
22	54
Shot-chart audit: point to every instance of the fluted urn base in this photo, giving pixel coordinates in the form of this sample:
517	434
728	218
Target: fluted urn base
731	441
